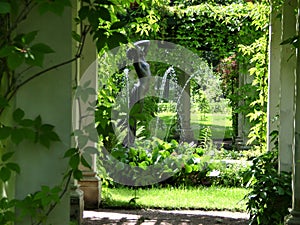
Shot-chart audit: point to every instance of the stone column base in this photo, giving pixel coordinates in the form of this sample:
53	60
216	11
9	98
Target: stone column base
187	135
76	205
293	218
91	187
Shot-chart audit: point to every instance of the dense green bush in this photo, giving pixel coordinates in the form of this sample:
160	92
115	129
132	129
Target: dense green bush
149	160
182	164
271	194
230	174
167	107
207	172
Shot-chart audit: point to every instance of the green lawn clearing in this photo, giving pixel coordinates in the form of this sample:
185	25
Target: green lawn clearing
220	124
204	198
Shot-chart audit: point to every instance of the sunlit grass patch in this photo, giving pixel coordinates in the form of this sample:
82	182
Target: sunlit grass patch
205	198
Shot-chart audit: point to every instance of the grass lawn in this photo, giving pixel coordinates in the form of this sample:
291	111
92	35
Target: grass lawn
220	124
204	198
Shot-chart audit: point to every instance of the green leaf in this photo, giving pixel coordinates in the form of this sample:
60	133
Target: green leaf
41	47
44	140
38	122
5	174
74	161
91	150
26	123
56	190
28	38
6	51
77	174
28	134
132	164
14	167
115	39
93	19
5	132
4	8
85	163
104	13
188	168
100	43
17	136
46	128
36	59
5	157
70	152
76	36
118	25
99	33
143	165
83	12
53	136
18	115
14	60
82	140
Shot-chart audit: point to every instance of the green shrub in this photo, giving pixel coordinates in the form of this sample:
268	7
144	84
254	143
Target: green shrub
167	107
230	175
228	154
182	164
154	158
271	196
193	171
206	172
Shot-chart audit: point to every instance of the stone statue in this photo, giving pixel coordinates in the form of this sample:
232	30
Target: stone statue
137	55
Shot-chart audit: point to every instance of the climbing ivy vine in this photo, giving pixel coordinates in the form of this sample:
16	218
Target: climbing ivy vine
18	50
219	32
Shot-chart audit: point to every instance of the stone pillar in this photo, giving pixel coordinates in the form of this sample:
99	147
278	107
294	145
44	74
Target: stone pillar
90	184
243	121
273	78
294	218
76	195
184	109
287	89
50	97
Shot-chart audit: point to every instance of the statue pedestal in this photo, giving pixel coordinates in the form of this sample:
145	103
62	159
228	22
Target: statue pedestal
91	187
76	205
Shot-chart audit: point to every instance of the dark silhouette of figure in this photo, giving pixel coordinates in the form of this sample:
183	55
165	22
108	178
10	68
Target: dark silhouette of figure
137	55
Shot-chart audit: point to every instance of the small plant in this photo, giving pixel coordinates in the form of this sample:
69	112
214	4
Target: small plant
205	137
270	198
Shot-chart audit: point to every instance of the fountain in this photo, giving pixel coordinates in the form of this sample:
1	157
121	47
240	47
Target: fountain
162	88
122	163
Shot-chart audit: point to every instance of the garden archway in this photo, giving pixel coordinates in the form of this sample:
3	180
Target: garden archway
53	102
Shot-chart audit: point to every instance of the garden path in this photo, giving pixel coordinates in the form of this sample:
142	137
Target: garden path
163	217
